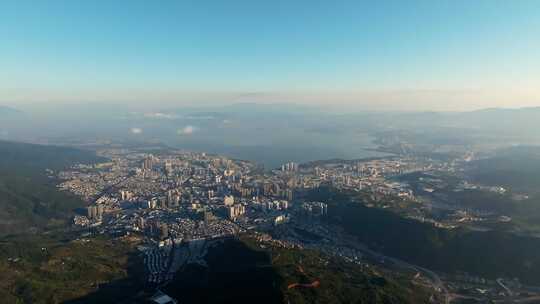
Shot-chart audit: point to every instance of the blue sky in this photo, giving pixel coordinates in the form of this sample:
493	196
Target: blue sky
422	53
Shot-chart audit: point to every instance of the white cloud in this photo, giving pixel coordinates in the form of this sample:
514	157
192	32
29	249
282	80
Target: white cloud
159	115
187	130
136	130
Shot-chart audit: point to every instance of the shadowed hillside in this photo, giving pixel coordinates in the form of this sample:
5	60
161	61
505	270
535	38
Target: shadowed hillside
28	198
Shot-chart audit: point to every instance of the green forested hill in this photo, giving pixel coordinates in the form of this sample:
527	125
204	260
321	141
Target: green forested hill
489	254
28	198
31	157
240	271
53	268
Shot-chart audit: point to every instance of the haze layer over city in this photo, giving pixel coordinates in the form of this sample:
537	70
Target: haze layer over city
269	152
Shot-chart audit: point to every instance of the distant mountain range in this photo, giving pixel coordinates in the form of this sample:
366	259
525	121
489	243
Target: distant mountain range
522	122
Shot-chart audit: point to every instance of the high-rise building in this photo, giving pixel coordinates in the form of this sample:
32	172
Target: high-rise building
281	219
315	209
95	212
125	195
173	198
163	203
289	194
168	167
208	217
151	204
236	211
228	200
289	167
100	210
164	231
141	223
148	163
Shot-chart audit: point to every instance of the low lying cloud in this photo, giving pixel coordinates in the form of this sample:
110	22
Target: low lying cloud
200	117
136	130
187	130
159	115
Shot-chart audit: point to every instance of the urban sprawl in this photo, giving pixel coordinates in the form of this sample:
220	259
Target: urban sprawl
182	203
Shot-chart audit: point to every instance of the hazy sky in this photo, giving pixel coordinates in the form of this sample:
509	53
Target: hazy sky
373	54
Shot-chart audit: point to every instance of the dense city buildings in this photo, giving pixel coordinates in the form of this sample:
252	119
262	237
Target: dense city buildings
182	203
135	184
